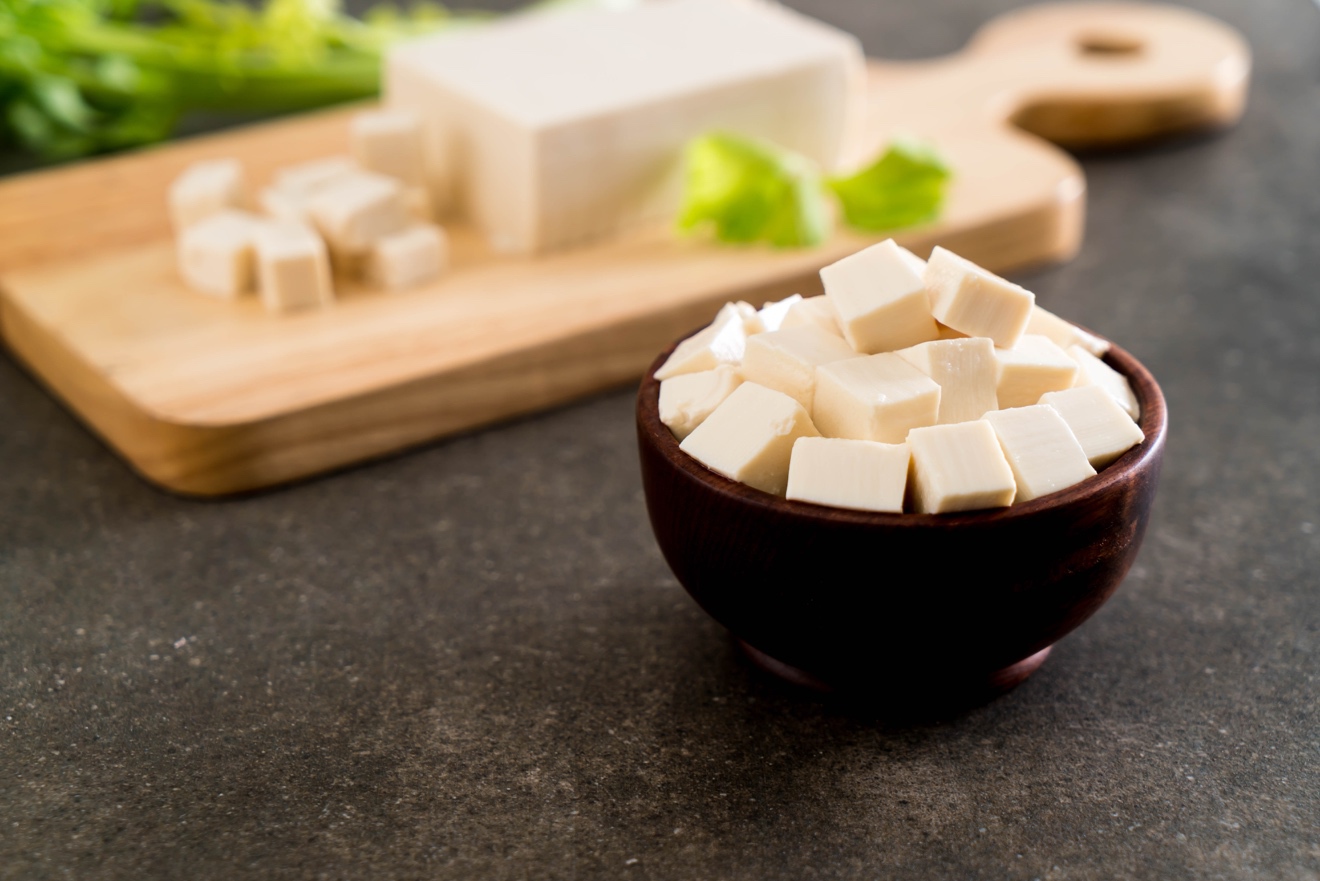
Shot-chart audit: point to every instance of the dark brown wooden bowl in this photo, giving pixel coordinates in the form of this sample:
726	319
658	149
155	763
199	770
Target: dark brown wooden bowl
915	608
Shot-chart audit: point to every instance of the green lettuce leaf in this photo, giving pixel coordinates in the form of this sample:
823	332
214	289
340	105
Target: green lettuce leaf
905	186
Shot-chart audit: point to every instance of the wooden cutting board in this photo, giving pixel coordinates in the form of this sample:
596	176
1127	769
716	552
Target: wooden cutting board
208	397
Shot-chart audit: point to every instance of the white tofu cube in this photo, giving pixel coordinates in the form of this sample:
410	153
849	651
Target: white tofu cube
283	206
857	474
749	437
1101	426
205	188
772	315
1064	334
1092	371
786	360
965	370
389	142
411	257
881	301
687	399
354	211
293	268
959	467
877	397
813	311
559	129
305	178
1041	449
216	255
975	301
723	341
1034	366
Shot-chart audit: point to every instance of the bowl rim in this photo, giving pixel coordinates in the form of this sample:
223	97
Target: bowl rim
1153	424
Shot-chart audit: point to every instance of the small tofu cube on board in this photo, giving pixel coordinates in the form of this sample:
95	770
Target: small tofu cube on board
293	267
723	341
876	397
749	437
1041	449
772	315
786	360
390	142
857	474
880	298
354	211
966	371
975	301
686	400
959	467
1101	426
1064	334
1034	366
216	254
817	311
205	188
305	178
407	258
1092	371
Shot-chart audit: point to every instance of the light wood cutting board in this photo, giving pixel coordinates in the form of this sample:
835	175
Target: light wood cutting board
208	397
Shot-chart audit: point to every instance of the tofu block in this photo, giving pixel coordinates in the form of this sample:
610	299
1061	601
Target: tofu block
1034	366
959	467
354	211
283	206
305	178
1101	426
749	437
723	341
553	130
216	255
772	315
389	142
1092	371
967	373
786	360
1064	334
881	301
975	301
1041	449
857	474
410	257
687	399
877	397
205	188
817	311
293	267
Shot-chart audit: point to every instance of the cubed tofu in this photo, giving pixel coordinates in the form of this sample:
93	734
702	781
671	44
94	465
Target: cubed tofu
723	341
772	315
293	267
876	397
786	360
813	311
206	188
413	256
351	213
1041	449
302	179
857	474
1034	366
1092	371
216	254
879	297
965	370
389	142
1064	334
959	467
1101	426
749	437
687	399
975	301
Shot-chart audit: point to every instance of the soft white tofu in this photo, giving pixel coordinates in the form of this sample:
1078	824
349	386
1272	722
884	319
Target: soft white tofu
1101	426
967	374
1041	449
687	399
302	179
786	360
206	188
857	474
749	437
723	341
1092	371
389	142
959	467
293	267
772	314
216	255
557	129
879	297
1064	334
877	397
975	301
354	211
813	311
1034	366
413	256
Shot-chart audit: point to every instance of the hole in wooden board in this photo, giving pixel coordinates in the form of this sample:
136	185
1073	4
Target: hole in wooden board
1097	44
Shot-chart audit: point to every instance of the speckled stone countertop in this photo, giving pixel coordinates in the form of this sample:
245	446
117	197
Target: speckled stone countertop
471	662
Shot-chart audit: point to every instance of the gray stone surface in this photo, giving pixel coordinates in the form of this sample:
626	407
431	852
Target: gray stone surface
471	662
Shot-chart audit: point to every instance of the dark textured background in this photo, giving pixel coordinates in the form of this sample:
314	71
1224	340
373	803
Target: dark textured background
471	662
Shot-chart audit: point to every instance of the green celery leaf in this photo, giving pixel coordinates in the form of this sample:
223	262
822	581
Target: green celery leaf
904	187
750	190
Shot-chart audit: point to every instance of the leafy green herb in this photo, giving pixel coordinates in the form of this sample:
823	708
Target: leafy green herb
904	187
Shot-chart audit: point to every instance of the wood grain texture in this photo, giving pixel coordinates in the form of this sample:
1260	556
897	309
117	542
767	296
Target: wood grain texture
914	609
207	397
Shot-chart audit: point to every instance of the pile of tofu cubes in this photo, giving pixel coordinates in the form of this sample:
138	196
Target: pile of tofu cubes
365	216
927	387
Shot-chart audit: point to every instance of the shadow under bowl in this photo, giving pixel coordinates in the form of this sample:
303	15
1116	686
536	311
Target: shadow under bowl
907	609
